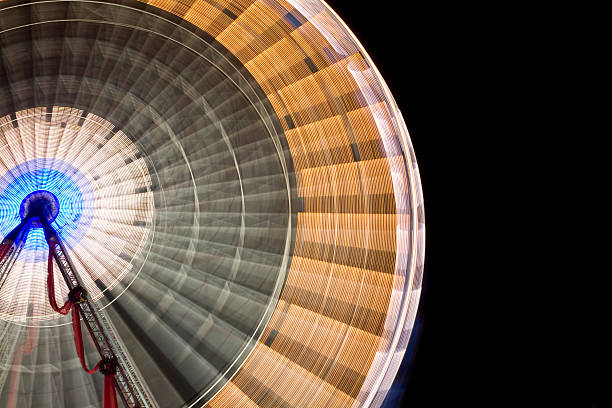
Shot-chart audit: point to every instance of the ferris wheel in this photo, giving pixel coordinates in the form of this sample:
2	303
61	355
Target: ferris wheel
212	203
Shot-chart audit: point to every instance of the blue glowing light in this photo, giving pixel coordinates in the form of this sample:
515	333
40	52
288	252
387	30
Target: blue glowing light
66	183
40	200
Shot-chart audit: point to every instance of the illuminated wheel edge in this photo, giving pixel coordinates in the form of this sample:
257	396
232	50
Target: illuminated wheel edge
414	255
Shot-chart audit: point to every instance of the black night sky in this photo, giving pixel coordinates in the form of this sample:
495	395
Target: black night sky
405	48
508	316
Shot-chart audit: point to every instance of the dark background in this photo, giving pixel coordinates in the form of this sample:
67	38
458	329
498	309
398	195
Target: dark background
410	47
517	302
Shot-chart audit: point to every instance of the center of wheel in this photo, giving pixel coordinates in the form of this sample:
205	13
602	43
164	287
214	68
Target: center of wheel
37	204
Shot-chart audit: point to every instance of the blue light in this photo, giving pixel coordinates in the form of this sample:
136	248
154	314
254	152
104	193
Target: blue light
72	189
41	200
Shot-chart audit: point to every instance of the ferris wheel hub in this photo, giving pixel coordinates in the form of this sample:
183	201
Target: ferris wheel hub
38	204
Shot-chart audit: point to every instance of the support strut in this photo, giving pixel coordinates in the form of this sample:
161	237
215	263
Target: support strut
11	247
126	381
114	364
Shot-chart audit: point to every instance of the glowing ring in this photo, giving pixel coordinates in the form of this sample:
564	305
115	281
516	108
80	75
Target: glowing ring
345	314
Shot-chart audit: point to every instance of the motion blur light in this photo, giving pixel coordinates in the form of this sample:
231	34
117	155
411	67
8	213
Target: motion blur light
65	184
236	188
82	171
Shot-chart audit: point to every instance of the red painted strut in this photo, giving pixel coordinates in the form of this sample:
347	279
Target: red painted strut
119	374
107	365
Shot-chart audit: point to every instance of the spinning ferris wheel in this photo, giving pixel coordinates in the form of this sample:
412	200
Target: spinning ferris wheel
212	202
